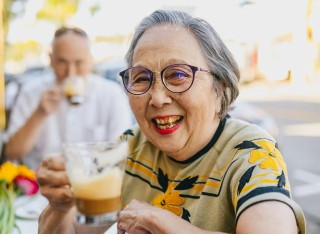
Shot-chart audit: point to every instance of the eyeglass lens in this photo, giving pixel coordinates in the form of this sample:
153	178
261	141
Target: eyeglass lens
177	78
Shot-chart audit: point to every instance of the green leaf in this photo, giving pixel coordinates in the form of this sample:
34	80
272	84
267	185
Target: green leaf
17	228
3	182
7	220
25	218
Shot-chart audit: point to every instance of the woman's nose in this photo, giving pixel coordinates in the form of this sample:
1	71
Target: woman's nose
159	95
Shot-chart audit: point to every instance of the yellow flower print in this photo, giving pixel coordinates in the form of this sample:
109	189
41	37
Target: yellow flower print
171	201
270	155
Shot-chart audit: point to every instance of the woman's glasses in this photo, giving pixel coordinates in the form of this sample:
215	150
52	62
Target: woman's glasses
177	78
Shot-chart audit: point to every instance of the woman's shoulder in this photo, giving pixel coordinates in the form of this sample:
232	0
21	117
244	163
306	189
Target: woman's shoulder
239	129
134	136
237	139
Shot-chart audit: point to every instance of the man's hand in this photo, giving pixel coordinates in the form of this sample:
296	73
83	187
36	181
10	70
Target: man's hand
50	100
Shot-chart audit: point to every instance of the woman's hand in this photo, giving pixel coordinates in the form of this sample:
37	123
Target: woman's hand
54	183
134	218
141	218
59	215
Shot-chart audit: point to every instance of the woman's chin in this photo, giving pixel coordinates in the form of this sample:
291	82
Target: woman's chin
169	147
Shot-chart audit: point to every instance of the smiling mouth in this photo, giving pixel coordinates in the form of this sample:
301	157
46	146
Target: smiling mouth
168	122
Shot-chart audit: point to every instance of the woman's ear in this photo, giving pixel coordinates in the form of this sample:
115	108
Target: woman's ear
218	103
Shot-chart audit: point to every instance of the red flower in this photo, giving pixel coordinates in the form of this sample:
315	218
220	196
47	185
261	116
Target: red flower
29	186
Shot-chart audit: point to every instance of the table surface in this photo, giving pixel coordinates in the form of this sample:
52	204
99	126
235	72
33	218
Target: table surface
31	207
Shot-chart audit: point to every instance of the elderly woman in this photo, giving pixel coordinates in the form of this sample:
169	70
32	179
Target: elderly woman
191	168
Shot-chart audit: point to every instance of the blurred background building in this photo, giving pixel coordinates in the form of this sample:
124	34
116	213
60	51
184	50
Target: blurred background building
271	39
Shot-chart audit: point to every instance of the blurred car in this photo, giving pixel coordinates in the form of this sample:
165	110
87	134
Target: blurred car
110	70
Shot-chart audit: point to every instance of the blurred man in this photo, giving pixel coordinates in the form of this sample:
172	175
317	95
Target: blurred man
43	119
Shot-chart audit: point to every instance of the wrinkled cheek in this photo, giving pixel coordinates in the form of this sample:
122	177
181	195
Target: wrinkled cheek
139	109
134	105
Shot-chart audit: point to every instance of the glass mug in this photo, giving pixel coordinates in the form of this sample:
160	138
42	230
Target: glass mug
95	171
74	89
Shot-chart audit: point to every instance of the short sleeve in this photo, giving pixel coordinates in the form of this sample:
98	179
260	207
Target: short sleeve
262	175
21	111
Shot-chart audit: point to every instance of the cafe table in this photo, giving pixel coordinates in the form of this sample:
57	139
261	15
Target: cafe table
30	207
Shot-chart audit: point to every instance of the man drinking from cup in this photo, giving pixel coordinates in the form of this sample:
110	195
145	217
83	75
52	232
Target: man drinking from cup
43	118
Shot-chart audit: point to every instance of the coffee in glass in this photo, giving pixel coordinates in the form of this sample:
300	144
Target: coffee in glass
95	171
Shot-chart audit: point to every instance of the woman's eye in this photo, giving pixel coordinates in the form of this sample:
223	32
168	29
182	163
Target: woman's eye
140	79
179	75
176	75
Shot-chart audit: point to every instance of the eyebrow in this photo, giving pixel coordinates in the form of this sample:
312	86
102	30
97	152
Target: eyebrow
176	61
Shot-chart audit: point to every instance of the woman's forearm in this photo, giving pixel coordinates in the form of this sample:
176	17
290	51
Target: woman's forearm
54	222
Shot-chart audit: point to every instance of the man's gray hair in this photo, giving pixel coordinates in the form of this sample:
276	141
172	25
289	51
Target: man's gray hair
218	57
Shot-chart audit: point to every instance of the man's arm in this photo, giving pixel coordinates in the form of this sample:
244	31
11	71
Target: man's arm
23	141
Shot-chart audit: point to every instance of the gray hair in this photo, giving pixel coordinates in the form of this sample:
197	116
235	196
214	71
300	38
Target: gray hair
218	57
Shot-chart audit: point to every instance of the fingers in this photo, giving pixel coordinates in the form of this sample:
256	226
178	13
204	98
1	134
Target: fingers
50	100
133	217
54	183
52	178
124	221
53	94
131	226
52	172
57	195
55	163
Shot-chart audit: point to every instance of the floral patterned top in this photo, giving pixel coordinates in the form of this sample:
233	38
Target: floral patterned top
239	167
